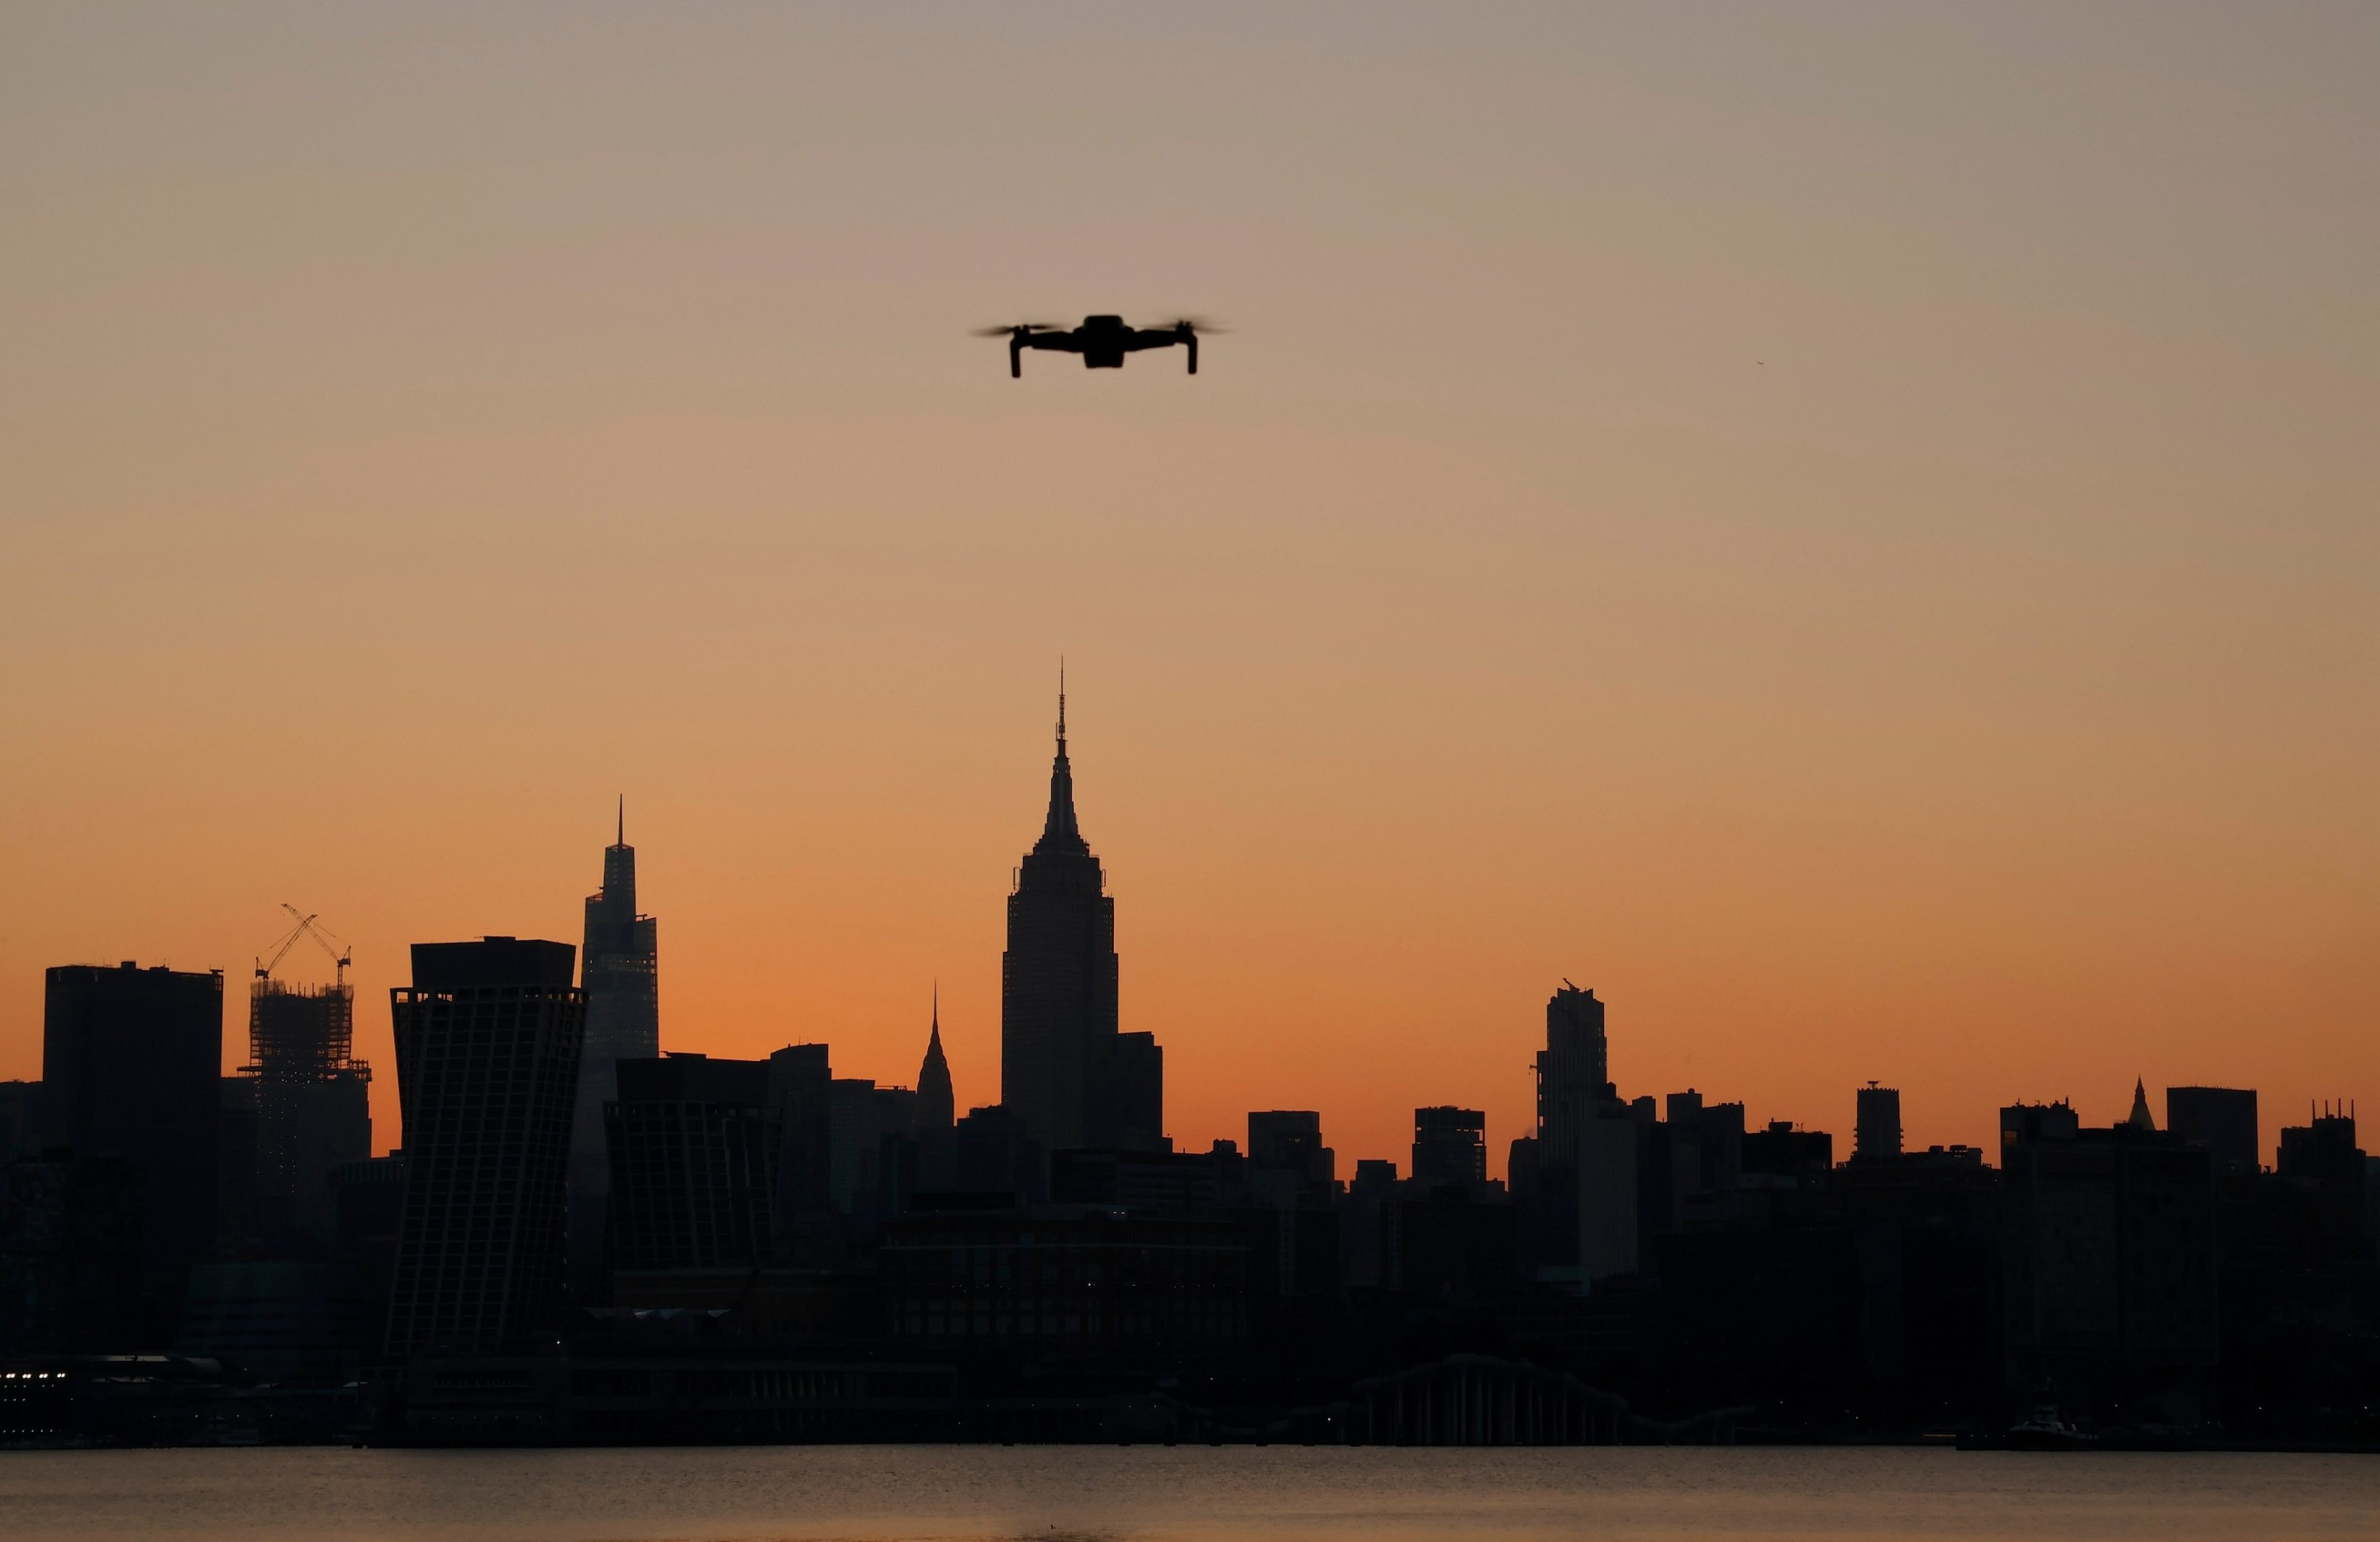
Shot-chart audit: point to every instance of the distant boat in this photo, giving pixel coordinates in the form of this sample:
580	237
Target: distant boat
2042	1429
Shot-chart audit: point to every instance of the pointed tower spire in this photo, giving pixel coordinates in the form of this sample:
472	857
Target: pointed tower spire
1058	832
937	1105
2140	1118
619	890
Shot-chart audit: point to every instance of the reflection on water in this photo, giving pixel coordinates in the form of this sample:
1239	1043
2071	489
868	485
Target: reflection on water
1195	1494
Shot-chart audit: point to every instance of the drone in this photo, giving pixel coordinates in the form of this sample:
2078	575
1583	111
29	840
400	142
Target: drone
1101	340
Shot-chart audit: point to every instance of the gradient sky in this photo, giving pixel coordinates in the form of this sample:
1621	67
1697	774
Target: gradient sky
1854	531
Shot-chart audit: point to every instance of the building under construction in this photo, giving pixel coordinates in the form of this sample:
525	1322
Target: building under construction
309	1097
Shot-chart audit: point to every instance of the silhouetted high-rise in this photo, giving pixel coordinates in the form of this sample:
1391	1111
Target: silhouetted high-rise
1575	1177
936	1104
1291	1140
938	1147
2108	1283
21	1116
692	1164
1450	1145
617	972
2222	1119
801	1093
1068	1078
487	1061
872	1146
1876	1130
131	1068
1572	1075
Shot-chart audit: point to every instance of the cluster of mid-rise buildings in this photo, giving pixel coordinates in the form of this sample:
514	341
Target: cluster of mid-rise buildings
583	1238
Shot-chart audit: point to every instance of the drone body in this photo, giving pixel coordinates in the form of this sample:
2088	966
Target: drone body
1101	340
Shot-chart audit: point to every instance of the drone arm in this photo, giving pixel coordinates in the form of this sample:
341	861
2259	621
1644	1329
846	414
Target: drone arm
1190	341
1016	354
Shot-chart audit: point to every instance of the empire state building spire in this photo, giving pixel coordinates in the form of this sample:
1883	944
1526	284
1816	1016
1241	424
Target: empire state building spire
1058	832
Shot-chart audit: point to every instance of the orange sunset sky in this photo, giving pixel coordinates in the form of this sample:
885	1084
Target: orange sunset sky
1854	531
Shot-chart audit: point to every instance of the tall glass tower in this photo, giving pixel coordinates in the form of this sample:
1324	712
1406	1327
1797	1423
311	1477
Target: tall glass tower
617	974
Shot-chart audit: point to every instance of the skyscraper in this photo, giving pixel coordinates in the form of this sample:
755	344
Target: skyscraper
692	1163
1572	1072
623	1022
488	1039
1450	1145
1876	1130
132	1067
872	1151
1291	1139
801	1095
938	1147
936	1104
2222	1119
1069	1078
1577	1180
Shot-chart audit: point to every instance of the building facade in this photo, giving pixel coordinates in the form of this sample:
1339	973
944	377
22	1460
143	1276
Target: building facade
801	1095
2108	1269
488	1040
1450	1145
693	1160
2222	1119
131	1068
1085	1284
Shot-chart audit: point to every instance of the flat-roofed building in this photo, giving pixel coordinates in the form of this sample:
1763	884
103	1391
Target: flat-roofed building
487	1066
2222	1119
1450	1145
131	1068
692	1158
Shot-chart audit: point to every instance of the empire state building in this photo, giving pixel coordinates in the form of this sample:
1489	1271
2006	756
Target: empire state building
1066	1075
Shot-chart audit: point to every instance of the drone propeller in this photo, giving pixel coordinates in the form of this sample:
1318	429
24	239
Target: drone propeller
1198	325
1011	330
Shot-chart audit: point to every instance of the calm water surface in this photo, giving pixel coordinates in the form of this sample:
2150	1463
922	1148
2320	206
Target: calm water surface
1069	1494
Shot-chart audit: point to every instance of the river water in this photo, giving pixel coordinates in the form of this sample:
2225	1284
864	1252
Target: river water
1234	1493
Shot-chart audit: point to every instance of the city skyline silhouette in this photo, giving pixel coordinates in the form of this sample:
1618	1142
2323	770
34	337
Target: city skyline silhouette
1850	537
980	1045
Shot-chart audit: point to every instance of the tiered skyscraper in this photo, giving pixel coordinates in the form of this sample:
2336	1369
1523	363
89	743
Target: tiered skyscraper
1574	1076
618	972
1581	1164
1069	1079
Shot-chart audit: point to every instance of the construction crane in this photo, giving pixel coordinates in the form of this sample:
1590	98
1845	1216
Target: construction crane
341	955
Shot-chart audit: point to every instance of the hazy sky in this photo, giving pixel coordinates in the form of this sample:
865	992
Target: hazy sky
1852	530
